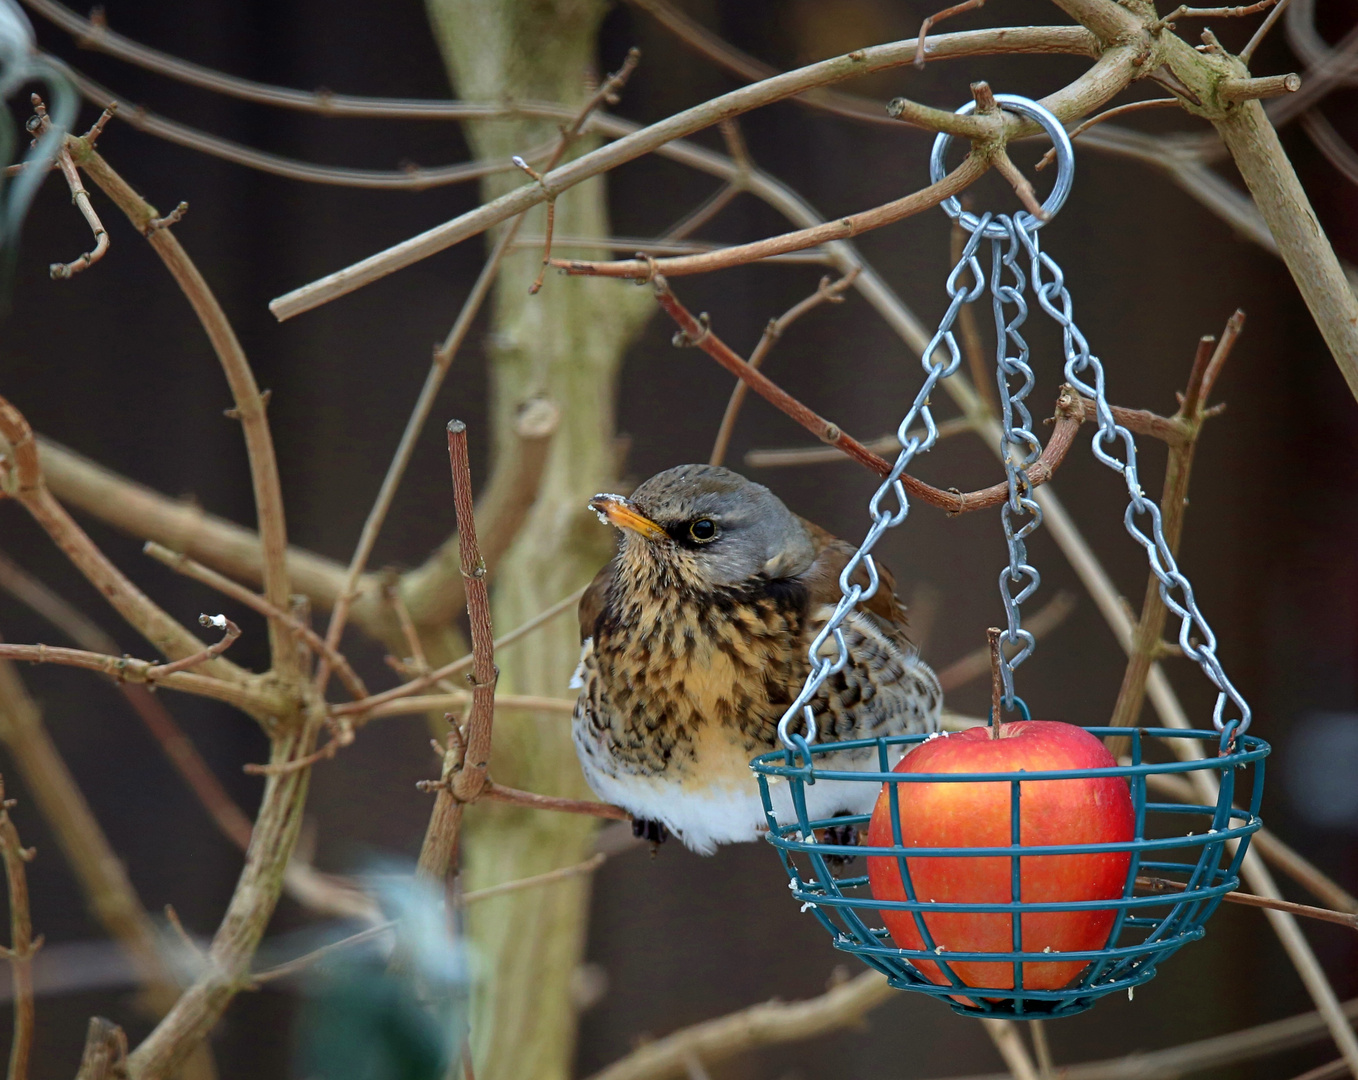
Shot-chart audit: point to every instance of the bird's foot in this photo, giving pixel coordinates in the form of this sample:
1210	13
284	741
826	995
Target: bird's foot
653	832
843	835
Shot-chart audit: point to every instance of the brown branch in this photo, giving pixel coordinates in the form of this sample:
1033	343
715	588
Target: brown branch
973	166
1235	91
1273	850
1184	11
81	198
499	793
981	367
105	1054
936	18
22	944
413	178
198	572
230	819
101	874
826	455
1171	430
769	1023
1022	188
249	698
698	333
1193	411
1110	73
435	591
1329	1071
607	93
230	631
202	1003
22	478
826	293
466	758
588	866
459	699
249	403
373	706
1343	918
1107	114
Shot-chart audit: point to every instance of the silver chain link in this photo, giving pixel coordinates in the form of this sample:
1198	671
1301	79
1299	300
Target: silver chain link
1084	371
912	445
1011	238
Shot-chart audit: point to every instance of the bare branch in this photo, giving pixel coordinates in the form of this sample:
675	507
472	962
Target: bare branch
698	333
105	1054
499	793
1107	114
1238	90
22	944
1306	911
250	698
81	198
1108	75
937	17
971	168
224	585
826	293
827	455
25	483
249	403
230	632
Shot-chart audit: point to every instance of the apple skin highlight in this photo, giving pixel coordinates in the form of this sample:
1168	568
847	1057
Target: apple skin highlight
1076	811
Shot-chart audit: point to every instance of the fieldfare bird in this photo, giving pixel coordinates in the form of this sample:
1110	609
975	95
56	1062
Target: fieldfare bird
695	640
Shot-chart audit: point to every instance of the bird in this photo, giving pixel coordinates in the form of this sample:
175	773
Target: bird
694	642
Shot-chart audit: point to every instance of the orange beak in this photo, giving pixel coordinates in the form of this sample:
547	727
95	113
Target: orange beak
620	512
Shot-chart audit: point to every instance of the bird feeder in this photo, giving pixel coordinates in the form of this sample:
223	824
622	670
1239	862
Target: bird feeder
1194	794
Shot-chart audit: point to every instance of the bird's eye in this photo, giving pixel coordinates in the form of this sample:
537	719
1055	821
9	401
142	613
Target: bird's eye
704	530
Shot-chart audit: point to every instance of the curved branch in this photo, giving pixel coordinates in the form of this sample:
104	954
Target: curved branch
252	699
696	332
26	484
649	139
249	403
973	166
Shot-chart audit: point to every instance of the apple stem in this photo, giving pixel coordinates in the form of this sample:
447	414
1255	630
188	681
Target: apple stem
996	682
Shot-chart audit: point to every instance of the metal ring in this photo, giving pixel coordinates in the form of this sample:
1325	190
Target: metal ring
1065	168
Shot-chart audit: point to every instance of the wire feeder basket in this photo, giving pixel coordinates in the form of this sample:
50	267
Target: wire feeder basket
1200	846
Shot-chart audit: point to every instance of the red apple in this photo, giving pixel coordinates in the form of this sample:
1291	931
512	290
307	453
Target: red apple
1076	811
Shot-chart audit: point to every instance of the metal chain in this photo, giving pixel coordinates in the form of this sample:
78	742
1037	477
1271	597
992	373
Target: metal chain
852	594
1020	447
1085	372
1011	238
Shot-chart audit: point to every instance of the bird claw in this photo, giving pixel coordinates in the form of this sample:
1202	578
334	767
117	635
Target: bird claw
653	832
845	835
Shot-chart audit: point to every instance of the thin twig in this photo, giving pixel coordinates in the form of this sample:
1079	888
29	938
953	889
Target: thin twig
465	760
1329	1071
1306	911
230	631
588	866
254	699
972	167
1247	53
372	705
438	369
1184	11
499	793
698	333
981	367
81	198
829	455
1110	73
1107	114
1005	1035
936	18
201	780
1046	1066
458	699
1145	646
993	635
22	944
249	402
826	292
105	1053
25	483
607	93
198	572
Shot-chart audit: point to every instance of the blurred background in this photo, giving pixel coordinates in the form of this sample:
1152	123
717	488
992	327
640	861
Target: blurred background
114	365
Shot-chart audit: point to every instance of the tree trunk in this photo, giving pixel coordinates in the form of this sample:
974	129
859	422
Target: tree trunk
566	344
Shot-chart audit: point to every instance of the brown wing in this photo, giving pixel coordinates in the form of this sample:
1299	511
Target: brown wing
822	578
592	603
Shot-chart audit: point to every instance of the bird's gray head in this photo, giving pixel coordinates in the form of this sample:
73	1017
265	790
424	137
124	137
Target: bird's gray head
709	526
